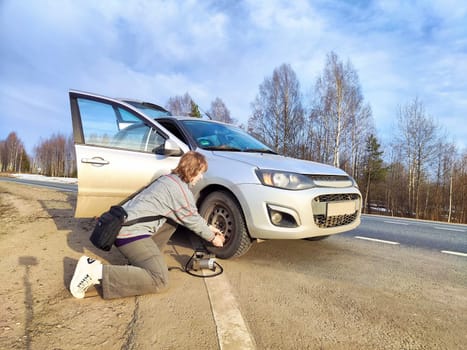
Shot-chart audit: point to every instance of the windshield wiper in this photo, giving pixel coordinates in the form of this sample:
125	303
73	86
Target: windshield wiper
259	150
222	148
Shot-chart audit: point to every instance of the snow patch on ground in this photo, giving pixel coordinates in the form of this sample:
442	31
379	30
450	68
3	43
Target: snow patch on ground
67	180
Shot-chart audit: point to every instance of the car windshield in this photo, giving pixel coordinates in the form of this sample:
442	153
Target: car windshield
223	137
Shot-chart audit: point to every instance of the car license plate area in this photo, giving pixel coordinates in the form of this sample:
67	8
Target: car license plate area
340	208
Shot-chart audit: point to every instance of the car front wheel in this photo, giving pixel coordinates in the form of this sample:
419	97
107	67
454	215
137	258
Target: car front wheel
222	211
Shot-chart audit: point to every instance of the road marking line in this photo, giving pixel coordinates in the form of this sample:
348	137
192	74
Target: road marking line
376	240
396	222
449	229
453	253
232	331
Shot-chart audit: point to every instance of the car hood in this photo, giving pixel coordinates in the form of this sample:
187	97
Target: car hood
277	162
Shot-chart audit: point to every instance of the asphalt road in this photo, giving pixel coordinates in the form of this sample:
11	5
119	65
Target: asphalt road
447	238
47	184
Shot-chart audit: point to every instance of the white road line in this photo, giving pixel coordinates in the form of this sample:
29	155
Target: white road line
449	229
396	222
453	253
232	331
376	240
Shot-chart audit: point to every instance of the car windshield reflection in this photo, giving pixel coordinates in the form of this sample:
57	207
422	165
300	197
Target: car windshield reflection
223	137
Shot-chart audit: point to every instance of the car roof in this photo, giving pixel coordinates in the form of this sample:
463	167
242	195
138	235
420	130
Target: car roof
144	103
184	118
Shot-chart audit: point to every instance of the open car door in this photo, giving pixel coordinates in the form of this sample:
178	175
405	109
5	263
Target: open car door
118	151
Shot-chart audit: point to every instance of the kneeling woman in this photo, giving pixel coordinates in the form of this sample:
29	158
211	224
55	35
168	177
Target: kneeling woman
142	243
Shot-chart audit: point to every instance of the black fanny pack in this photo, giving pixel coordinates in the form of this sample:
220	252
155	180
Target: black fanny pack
109	224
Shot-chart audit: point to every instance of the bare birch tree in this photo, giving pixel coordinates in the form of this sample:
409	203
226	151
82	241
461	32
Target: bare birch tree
339	119
360	129
180	105
220	112
459	195
418	141
55	156
438	205
278	112
3	156
13	156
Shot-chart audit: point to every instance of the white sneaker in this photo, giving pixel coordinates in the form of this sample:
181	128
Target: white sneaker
87	273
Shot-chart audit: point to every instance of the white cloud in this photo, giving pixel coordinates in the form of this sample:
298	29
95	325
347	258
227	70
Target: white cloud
157	49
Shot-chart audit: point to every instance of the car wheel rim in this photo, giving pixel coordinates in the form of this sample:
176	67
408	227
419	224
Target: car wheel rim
221	218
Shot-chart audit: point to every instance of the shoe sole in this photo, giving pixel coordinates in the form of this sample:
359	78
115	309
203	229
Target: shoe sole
81	267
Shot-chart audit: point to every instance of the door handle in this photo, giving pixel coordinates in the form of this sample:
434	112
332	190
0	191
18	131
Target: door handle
95	160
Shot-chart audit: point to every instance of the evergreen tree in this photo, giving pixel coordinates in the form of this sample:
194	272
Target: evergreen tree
374	170
195	113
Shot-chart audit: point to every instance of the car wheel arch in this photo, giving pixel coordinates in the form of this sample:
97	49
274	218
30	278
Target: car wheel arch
219	188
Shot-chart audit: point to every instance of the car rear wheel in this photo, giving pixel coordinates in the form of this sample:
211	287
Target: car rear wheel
222	211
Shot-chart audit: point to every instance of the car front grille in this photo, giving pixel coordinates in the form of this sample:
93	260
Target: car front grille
333	221
323	221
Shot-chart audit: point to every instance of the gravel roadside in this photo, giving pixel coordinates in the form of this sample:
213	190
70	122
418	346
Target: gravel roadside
40	244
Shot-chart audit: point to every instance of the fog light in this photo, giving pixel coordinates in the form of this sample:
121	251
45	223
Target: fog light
280	217
276	217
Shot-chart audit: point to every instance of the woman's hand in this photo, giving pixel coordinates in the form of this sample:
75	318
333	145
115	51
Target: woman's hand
218	241
219	238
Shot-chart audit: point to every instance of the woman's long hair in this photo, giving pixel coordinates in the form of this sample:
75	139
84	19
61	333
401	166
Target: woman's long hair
191	163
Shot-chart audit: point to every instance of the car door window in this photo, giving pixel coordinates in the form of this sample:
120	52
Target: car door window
110	126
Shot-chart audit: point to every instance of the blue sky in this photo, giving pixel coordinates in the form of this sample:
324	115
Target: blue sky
153	50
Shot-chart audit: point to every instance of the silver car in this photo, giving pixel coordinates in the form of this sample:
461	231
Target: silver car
249	192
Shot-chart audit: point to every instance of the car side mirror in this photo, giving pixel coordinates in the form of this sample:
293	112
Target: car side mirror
170	148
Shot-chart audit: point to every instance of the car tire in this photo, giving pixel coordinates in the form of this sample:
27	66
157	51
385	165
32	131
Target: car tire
317	238
221	210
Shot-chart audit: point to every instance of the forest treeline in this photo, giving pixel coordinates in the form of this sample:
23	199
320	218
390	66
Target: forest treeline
418	174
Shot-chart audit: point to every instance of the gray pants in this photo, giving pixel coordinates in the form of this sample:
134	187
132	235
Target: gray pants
147	272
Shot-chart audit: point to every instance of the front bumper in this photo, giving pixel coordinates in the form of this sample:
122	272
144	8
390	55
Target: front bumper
314	212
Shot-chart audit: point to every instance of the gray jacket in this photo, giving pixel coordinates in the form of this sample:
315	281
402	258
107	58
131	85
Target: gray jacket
170	197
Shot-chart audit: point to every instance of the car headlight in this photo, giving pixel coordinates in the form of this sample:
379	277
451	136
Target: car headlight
283	179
